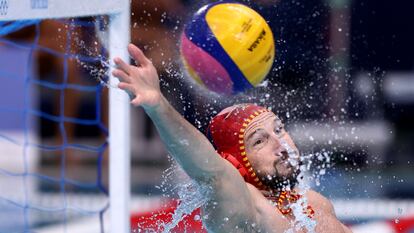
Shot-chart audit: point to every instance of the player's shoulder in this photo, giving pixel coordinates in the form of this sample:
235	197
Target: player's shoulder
317	199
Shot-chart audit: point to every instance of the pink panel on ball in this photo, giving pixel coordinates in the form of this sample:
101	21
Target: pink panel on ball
211	72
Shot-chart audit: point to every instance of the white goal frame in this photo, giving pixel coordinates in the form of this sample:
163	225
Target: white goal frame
119	107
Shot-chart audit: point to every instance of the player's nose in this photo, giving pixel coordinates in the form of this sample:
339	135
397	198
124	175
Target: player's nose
277	143
279	148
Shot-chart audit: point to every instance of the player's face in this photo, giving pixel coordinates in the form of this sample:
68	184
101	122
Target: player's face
271	151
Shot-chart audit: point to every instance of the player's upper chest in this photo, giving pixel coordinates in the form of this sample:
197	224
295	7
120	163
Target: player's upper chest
271	219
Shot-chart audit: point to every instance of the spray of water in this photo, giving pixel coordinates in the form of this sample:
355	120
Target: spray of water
302	220
90	48
323	161
191	196
98	70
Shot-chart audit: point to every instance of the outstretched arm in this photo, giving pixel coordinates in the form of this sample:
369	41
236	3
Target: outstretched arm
188	146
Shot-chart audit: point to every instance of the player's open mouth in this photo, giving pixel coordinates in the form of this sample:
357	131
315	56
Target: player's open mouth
287	164
283	163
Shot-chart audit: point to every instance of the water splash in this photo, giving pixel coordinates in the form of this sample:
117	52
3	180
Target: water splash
191	196
100	71
302	220
89	50
293	156
313	171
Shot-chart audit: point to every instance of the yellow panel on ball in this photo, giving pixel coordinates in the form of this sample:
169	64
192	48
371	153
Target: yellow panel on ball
246	38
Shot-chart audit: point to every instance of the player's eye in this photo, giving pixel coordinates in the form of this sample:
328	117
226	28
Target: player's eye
258	142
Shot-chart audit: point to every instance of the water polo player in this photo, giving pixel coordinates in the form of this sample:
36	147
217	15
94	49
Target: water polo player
251	169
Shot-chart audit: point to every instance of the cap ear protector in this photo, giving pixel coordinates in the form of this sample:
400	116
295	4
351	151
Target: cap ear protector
227	156
242	170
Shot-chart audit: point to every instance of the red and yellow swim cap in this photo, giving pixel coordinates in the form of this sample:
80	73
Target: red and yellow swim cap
227	129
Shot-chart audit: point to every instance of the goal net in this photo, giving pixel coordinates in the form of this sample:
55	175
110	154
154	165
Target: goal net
64	136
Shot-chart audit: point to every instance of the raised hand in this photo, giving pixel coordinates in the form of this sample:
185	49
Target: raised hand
140	80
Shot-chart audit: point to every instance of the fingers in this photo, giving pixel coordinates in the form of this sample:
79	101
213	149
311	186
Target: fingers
122	65
124	77
138	55
127	87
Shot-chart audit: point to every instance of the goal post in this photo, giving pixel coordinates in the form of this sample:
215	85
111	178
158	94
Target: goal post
119	128
119	107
